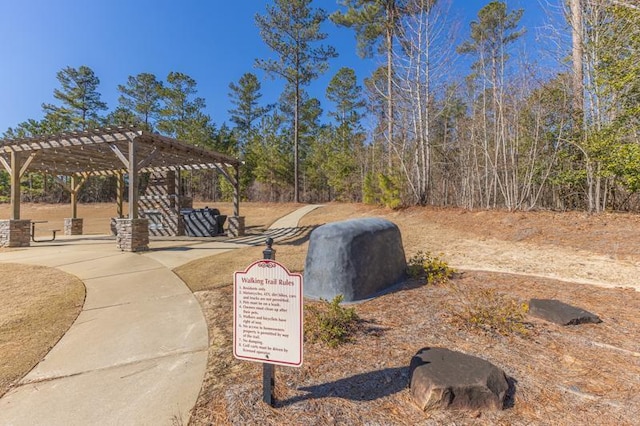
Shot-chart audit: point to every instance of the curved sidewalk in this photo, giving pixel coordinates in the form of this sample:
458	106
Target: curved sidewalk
137	352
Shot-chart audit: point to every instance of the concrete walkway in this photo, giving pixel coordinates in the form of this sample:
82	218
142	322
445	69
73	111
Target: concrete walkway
137	353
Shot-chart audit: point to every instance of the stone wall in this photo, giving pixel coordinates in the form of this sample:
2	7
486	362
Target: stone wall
15	233
133	234
73	226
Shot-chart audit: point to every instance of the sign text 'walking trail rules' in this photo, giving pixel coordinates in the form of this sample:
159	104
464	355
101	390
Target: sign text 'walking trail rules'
267	314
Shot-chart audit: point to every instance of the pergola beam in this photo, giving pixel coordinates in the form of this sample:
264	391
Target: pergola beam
28	161
5	164
119	154
146	161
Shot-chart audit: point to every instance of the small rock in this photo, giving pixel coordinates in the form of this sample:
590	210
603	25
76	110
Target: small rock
560	313
446	379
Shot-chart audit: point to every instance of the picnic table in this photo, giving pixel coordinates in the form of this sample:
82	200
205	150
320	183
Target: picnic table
33	231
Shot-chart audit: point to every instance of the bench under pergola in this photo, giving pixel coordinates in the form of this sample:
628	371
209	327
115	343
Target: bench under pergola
107	152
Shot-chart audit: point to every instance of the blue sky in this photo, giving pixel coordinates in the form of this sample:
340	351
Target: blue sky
214	42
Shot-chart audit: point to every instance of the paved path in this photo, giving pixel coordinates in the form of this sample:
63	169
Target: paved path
137	353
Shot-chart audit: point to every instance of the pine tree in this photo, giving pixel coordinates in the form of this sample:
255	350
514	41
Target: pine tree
346	141
141	95
291	28
182	114
245	96
123	117
343	90
80	100
377	24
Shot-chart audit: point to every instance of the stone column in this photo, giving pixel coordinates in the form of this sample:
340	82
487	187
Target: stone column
15	233
133	234
73	226
236	226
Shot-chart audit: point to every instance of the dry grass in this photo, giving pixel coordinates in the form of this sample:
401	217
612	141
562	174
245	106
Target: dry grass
585	374
38	306
96	216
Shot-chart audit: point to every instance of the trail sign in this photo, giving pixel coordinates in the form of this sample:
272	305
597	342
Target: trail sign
267	314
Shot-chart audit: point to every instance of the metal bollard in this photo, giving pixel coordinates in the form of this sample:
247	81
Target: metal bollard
269	253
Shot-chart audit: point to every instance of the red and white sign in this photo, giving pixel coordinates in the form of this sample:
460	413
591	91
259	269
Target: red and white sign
267	314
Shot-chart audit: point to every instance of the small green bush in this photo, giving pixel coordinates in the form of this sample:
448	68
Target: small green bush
390	191
433	268
330	323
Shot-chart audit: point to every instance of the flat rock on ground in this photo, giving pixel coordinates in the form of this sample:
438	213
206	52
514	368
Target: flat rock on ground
446	379
560	313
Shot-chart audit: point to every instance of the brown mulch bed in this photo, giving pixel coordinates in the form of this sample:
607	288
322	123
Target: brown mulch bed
587	374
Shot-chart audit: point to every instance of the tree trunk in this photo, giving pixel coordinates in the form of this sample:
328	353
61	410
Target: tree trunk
577	57
389	41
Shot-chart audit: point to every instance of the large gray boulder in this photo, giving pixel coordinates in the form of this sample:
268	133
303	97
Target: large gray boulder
446	379
356	258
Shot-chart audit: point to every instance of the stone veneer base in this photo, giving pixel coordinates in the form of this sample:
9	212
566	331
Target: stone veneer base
132	234
73	226
15	233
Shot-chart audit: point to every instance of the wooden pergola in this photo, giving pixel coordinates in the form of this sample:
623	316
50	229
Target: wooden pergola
104	152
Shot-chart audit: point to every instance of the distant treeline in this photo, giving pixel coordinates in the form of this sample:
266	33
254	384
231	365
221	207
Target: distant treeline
505	134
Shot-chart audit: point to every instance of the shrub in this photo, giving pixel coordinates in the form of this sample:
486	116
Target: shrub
433	268
330	323
390	191
489	311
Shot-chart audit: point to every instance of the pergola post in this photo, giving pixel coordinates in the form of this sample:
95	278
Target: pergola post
15	232
120	195
16	164
74	197
236	222
133	180
73	225
236	191
133	232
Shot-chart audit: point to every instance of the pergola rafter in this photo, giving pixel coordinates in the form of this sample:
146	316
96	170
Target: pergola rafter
109	151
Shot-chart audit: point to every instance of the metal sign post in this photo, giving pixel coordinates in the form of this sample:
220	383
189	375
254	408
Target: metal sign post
268	370
267	320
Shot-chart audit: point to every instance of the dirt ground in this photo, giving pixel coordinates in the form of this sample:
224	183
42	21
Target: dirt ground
588	374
